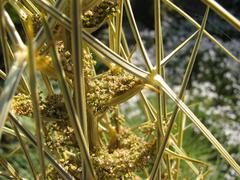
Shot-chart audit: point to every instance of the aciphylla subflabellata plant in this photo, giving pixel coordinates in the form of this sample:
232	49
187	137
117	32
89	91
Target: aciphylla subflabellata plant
78	129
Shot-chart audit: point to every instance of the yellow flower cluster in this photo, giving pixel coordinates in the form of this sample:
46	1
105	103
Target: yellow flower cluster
65	59
97	15
90	18
89	63
22	105
131	154
108	85
37	23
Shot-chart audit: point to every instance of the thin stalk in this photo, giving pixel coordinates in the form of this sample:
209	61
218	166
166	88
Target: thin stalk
136	34
35	98
103	59
113	40
123	53
25	150
189	18
223	13
79	81
166	59
10	52
47	84
185	158
93	121
111	32
4	38
124	42
130	55
145	76
147	108
75	122
5	164
3	174
125	96
160	82
3	76
77	50
31	7
13	152
152	112
9	131
31	138
41	37
67	35
168	167
12	32
183	88
181	126
95	43
119	18
21	10
180	151
10	87
93	130
159	56
161	99
146	174
18	44
146	112
23	85
147	105
113	57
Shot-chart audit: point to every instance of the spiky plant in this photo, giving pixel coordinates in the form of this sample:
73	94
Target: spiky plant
79	130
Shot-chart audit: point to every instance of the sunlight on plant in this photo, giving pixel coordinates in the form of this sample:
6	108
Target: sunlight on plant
56	106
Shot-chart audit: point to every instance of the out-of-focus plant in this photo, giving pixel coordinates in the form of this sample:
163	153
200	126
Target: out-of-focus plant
80	131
